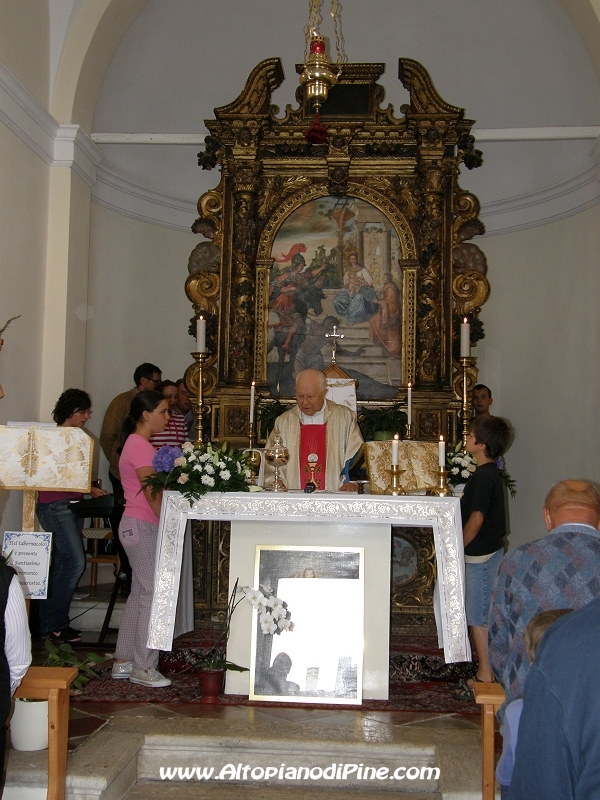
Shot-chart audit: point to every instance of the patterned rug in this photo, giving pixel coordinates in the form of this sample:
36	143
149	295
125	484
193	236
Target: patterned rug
420	680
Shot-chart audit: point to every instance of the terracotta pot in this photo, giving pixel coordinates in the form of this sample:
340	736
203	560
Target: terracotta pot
211	683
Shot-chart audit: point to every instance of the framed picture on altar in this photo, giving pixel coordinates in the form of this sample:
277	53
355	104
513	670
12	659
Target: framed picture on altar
336	260
321	659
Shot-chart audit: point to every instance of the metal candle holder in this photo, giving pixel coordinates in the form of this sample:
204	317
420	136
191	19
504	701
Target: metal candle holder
465	363
442	490
254	457
393	487
408	434
199	358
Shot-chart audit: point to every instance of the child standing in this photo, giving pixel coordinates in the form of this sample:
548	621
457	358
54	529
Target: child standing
512	714
484	529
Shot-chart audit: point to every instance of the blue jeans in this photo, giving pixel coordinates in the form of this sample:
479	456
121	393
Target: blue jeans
479	580
67	565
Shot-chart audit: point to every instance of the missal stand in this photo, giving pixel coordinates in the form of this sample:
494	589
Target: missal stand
34	458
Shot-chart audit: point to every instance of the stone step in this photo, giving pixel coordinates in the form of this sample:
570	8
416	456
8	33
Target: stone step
148	790
256	752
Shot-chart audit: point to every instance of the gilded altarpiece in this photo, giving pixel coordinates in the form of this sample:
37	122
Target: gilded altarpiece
288	232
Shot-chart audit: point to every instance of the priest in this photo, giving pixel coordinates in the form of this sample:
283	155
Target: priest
322	437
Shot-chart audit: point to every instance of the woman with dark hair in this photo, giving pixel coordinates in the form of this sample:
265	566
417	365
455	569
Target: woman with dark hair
72	410
138	533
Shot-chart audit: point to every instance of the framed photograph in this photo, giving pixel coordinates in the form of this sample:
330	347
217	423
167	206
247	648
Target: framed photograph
336	261
321	659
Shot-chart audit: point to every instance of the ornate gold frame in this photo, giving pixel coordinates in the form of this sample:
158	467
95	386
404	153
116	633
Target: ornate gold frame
406	166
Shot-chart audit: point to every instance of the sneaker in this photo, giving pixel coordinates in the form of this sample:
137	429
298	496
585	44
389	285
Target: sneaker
120	671
149	677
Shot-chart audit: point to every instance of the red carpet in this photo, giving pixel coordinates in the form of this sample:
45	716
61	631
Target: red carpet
420	680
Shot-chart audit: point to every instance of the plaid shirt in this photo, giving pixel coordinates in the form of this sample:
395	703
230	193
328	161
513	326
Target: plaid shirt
562	570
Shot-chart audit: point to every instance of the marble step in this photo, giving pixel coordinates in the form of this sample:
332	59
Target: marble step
148	790
256	753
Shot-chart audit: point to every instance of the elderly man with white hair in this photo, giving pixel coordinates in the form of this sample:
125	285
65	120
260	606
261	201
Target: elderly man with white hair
323	438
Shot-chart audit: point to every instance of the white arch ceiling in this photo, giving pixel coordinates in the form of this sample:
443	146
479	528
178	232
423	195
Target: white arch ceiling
518	67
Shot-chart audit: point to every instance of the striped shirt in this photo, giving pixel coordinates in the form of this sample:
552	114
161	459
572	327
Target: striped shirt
174	435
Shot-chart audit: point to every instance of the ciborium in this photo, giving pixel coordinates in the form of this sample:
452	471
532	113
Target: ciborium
277	456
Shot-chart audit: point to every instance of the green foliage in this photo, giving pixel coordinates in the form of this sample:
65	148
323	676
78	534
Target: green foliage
64	656
267	413
384	418
215	658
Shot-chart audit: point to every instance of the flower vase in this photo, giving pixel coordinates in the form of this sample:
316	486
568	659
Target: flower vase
211	682
458	489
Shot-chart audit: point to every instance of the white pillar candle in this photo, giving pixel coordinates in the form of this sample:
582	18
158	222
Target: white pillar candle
442	452
409	412
252	391
465	339
395	442
200	335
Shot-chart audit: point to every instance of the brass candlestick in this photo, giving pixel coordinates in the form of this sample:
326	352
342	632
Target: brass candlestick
466	403
254	457
442	489
394	487
199	358
408	434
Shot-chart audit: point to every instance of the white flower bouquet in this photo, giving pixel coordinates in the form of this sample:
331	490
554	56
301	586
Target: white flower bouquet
194	470
460	466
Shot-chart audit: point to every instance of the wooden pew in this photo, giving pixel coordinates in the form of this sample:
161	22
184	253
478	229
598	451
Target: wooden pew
52	684
490	697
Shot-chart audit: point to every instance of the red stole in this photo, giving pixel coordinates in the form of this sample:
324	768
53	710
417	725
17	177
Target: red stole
313	449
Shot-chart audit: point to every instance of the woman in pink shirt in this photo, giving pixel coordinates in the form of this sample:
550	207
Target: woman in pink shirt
138	532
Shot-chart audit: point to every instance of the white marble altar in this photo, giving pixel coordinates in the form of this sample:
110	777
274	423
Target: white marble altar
441	513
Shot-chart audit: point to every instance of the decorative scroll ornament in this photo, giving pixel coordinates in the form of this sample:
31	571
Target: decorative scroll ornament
470	291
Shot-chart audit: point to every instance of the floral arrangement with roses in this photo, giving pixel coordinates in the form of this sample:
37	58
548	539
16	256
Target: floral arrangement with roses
194	470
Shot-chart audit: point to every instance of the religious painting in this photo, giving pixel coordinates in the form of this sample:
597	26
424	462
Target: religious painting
321	659
336	262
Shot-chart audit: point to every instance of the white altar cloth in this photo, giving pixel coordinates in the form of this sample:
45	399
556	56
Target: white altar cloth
441	513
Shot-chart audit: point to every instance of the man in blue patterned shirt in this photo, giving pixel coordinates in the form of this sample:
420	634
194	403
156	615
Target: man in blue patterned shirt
562	570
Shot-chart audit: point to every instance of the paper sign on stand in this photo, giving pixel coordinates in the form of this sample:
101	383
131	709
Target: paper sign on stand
29	553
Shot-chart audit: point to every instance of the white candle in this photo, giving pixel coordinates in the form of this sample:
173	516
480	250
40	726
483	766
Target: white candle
200	335
465	339
252	391
442	452
395	442
409	412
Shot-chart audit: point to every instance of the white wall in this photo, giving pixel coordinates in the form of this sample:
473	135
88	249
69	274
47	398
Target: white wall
23	226
541	356
137	305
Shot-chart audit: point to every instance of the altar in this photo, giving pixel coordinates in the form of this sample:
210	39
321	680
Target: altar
335	520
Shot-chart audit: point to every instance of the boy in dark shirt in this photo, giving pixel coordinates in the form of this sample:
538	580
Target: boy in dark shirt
484	528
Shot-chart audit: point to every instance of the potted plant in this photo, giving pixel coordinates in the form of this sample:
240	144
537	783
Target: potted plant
382	422
29	722
267	414
274	617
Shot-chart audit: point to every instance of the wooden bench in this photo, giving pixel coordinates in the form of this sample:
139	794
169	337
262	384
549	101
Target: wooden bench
490	697
52	684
